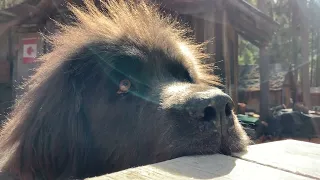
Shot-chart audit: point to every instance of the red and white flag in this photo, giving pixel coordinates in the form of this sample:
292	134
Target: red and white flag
29	50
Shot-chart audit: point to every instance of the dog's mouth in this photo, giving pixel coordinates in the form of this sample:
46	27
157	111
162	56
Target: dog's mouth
207	146
220	142
207	138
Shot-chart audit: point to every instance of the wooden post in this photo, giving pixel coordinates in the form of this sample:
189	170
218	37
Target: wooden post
218	33
49	29
226	52
198	27
10	55
12	60
264	82
264	73
209	35
235	69
305	80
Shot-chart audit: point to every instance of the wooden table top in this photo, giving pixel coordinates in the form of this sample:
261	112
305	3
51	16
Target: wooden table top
288	159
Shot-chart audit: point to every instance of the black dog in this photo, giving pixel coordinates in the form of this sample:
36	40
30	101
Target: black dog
118	90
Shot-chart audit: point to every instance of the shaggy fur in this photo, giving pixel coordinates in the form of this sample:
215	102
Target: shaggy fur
72	123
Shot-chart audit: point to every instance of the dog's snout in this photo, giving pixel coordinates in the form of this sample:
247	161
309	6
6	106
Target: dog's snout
213	109
223	108
211	106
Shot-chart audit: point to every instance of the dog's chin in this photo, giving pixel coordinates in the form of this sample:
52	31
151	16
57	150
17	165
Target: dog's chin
208	143
236	141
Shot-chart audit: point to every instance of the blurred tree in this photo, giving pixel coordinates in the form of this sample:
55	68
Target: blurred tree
286	44
9	3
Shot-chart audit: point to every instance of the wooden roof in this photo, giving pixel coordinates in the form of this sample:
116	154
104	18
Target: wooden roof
249	78
248	21
252	24
27	11
9	3
18	10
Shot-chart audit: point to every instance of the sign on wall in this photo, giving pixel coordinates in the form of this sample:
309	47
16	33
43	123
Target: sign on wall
29	50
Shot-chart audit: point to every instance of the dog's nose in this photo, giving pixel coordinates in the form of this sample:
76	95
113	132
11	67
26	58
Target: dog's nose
219	106
212	106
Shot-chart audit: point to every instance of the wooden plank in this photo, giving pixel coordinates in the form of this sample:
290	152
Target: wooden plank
289	155
202	167
187	7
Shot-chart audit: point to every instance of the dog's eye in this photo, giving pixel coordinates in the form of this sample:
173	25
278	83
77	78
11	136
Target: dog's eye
124	86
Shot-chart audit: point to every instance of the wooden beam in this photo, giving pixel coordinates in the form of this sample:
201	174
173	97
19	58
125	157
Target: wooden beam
218	33
7	13
48	29
250	20
198	26
235	68
209	35
186	6
295	49
226	52
264	83
10	56
264	74
249	33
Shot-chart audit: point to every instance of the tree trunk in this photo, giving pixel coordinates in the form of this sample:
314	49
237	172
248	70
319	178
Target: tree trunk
294	55
305	80
314	41
312	56
317	70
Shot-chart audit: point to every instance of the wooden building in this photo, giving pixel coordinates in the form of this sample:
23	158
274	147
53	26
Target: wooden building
219	21
249	86
280	91
315	97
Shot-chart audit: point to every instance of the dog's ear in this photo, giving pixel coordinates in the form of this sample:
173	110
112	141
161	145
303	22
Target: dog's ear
48	131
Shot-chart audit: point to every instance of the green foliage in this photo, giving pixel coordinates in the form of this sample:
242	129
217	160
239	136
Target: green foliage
248	53
9	3
253	2
282	48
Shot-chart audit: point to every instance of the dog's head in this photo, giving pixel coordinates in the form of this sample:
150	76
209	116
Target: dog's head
117	91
